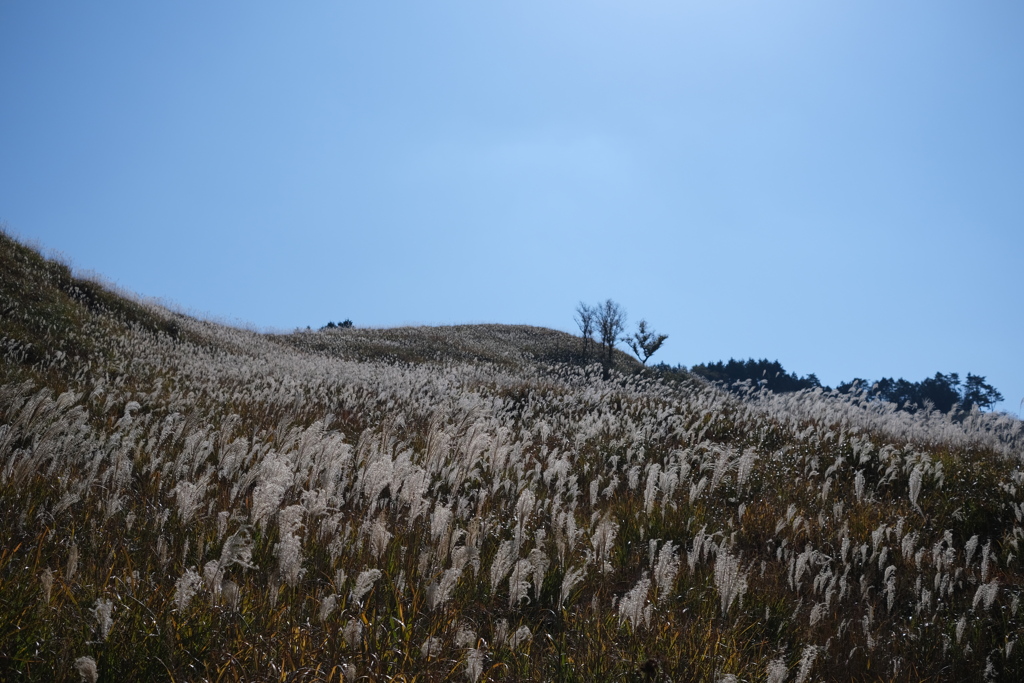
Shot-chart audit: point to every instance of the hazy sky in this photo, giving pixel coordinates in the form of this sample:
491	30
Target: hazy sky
836	185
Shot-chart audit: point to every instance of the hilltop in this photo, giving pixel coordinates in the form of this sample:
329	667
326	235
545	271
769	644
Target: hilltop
48	309
190	501
508	345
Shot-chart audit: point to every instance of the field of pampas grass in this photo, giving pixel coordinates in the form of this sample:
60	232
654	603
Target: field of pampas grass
185	501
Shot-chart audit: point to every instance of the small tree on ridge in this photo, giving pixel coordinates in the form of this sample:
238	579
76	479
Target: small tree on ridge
585	319
645	342
611	320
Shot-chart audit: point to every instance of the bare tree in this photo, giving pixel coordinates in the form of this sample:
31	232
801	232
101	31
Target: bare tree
585	319
645	342
611	320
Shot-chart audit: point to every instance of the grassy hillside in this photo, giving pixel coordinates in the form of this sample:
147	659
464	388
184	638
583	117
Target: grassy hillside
510	346
185	501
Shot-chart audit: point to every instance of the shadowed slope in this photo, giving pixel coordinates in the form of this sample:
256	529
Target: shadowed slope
47	315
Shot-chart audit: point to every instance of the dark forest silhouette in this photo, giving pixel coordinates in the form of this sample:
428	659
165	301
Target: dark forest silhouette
943	392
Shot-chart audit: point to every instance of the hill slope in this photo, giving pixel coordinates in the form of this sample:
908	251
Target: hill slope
185	500
508	345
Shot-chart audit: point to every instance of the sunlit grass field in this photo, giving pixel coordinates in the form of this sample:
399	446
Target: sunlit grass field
186	501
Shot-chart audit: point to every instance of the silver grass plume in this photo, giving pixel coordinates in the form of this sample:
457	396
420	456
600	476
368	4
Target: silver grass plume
777	671
465	636
440	592
745	466
352	632
188	497
522	635
807	658
603	540
570	580
539	562
633	605
500	633
969	548
665	570
909	545
502	564
316	502
162	554
72	565
474	664
722	465
702	545
46	579
916	478
364	582
289	548
103	611
651	487
86	668
697	489
237	549
431	647
376	476
986	595
729	580
889	579
633	477
466	555
379	537
519	583
213	576
222	523
327	607
275	478
817	613
524	509
440	521
185	588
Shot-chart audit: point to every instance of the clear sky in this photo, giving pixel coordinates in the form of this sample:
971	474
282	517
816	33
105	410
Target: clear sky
836	185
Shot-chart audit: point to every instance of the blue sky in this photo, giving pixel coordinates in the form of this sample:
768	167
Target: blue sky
839	186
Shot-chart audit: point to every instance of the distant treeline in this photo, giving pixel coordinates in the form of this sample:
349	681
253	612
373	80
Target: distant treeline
941	392
762	373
